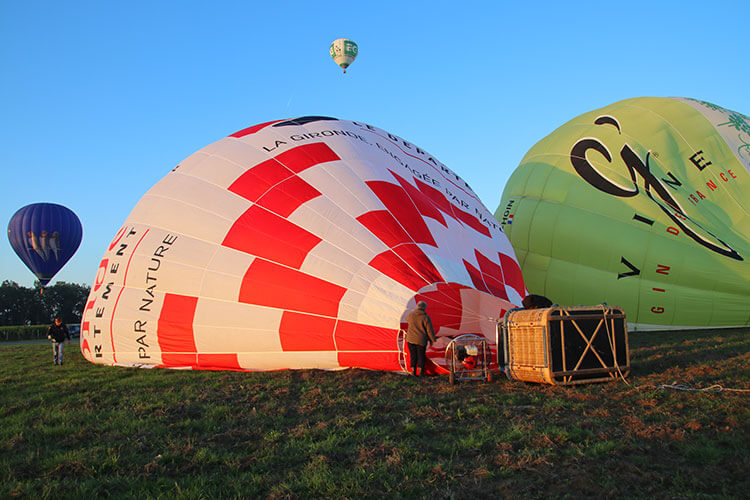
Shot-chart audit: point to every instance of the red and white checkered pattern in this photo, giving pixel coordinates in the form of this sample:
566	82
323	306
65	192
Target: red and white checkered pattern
298	245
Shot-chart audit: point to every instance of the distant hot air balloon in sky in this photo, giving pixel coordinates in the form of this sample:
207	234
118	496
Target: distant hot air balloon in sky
45	236
299	244
344	51
643	204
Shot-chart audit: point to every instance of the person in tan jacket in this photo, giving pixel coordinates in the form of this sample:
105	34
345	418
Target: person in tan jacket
418	334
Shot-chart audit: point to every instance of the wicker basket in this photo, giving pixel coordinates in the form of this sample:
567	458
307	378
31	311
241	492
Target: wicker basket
566	345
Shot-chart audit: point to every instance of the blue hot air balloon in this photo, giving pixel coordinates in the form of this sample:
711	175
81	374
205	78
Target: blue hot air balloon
45	236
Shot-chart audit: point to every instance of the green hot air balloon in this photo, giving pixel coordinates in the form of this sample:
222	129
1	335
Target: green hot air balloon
642	204
344	51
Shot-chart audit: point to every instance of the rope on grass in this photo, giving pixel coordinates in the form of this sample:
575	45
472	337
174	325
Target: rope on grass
673	385
684	387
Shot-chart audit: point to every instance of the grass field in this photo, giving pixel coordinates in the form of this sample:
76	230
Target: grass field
86	431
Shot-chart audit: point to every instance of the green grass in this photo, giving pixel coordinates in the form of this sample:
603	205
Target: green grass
87	431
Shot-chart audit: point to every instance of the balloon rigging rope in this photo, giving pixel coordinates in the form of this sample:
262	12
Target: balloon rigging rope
611	344
684	387
674	385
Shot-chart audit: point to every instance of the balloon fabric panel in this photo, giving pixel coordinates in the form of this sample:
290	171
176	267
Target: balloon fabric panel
44	236
344	51
641	204
306	242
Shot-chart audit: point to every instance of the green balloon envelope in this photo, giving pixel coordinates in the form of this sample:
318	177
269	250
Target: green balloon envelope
643	204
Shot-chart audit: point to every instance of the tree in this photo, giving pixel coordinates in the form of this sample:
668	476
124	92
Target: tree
65	300
16	304
30	306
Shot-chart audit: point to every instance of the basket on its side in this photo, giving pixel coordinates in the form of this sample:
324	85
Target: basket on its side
566	345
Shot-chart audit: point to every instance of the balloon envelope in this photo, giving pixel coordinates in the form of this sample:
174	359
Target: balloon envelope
643	204
45	236
299	244
344	51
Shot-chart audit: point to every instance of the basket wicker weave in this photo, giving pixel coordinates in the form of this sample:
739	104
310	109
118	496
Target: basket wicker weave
566	345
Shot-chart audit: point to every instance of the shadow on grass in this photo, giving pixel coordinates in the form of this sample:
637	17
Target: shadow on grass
655	353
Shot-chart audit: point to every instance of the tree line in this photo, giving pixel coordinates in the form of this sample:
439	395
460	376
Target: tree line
20	305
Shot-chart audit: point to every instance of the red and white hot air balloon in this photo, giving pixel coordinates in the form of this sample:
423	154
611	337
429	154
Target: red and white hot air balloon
299	244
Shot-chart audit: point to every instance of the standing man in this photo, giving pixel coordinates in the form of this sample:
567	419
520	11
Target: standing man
58	332
418	334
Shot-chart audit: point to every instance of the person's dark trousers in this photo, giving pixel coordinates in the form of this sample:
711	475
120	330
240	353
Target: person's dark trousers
417	354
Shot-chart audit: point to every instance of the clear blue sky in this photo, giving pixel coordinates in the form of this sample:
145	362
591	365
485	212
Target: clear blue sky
99	100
